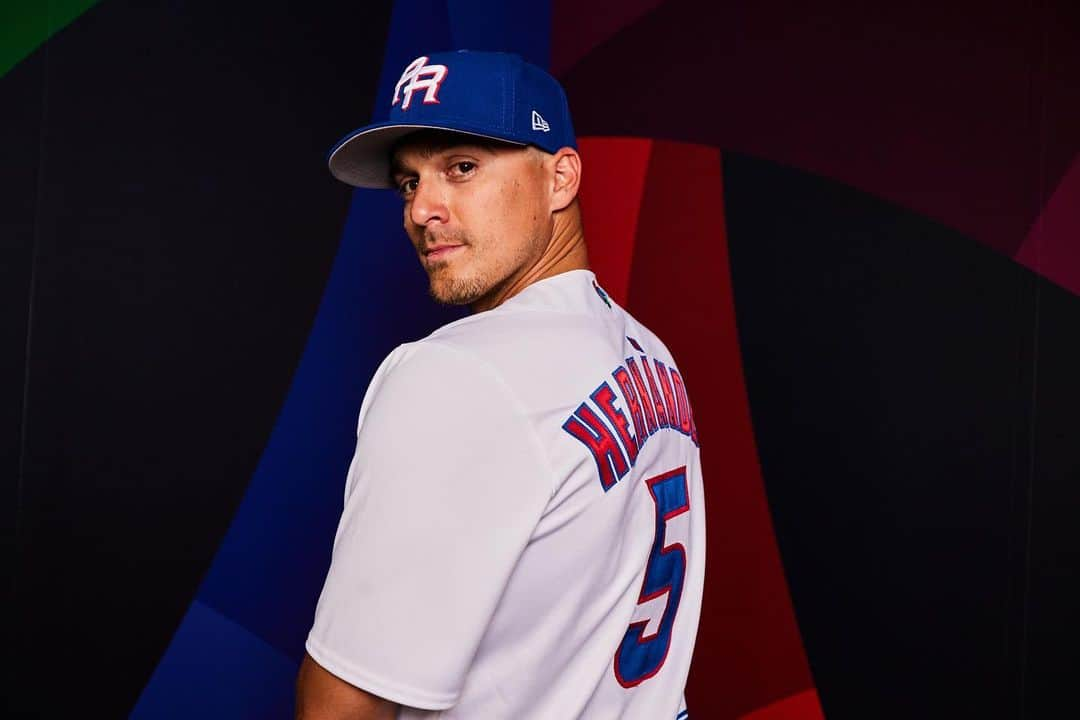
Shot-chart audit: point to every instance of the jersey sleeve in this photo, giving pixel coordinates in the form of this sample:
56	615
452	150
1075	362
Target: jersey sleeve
444	491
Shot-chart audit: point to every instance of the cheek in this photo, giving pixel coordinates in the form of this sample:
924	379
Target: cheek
520	208
489	218
507	221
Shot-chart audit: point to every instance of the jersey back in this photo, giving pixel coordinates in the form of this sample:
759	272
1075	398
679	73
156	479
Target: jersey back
580	522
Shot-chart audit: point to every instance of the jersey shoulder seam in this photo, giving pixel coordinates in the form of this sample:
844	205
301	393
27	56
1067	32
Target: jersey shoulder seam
499	313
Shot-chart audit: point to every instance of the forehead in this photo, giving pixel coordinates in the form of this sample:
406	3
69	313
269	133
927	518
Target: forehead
426	144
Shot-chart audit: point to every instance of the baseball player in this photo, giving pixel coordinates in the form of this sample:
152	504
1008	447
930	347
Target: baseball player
523	528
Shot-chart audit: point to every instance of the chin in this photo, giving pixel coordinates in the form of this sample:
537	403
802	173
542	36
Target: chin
458	291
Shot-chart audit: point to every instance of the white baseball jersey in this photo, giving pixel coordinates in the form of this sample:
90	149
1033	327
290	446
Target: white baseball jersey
523	533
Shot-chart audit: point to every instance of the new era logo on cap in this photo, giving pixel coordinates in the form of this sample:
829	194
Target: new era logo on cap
487	94
539	123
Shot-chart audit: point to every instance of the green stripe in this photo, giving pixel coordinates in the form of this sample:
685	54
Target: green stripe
26	24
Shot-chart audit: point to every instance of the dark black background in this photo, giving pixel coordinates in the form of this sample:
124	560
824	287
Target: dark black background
914	401
164	187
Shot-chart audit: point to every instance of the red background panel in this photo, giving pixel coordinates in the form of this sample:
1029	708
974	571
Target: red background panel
613	180
749	653
802	706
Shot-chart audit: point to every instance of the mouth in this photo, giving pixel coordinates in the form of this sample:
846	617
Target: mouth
441	252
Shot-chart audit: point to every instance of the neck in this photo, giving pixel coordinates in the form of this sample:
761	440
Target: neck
565	251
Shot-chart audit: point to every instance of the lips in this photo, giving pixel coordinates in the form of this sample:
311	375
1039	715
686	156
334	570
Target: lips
441	252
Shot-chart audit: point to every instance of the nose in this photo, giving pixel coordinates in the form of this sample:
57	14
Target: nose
428	204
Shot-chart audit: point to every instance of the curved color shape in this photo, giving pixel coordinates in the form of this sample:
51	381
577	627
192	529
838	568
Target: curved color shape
956	124
803	706
850	311
1052	248
613	181
166	162
26	24
749	642
578	33
266	576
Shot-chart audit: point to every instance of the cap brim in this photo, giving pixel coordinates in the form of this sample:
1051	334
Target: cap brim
362	158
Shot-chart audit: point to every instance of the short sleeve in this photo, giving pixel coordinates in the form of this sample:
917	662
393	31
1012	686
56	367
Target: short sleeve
444	491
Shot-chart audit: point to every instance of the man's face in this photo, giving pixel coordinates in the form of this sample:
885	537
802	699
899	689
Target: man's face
477	213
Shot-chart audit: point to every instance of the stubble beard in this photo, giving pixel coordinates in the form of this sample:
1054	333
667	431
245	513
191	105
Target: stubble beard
444	286
478	279
446	289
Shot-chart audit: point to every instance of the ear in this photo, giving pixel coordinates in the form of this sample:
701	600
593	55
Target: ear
566	165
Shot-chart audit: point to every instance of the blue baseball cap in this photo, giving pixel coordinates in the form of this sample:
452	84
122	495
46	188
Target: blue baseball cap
488	94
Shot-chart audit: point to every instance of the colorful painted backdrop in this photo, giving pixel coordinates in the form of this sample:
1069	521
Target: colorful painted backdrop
856	225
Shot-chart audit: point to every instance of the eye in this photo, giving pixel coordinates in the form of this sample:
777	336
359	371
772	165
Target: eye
407	186
462	167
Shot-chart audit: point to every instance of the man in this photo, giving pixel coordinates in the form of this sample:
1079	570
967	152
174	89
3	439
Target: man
523	530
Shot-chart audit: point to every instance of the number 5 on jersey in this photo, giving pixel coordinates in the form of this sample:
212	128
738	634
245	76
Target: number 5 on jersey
639	656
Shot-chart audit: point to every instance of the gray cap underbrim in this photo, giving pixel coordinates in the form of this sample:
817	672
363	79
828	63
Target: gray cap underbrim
362	158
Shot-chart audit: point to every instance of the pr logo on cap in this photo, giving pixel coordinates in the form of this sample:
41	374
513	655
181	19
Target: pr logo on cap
418	75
